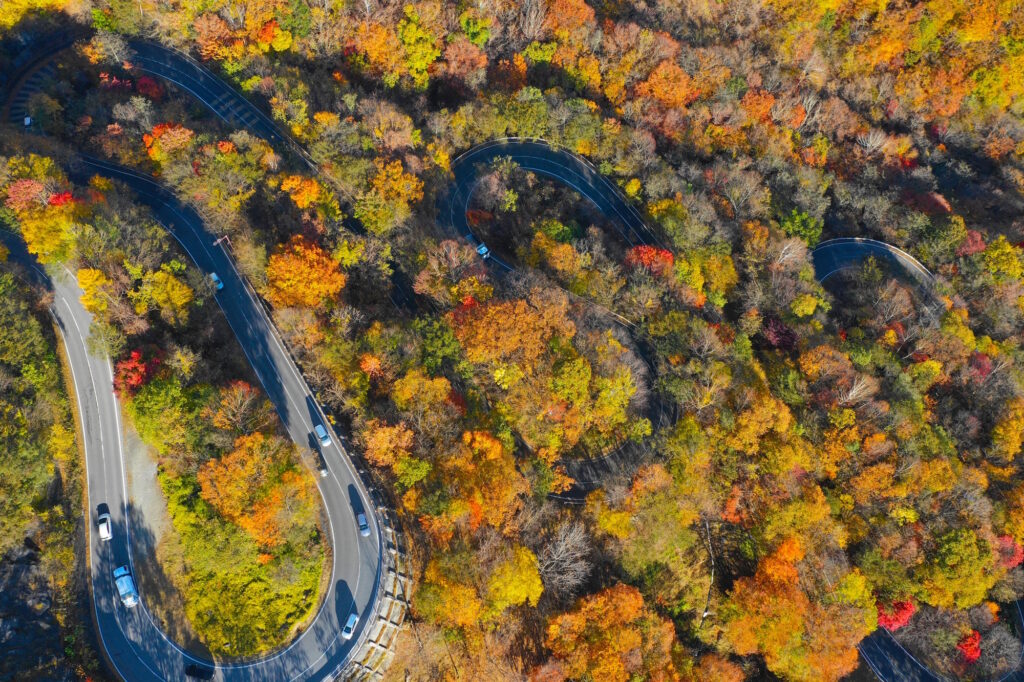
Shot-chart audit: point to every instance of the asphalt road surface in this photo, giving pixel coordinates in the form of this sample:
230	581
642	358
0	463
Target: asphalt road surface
836	255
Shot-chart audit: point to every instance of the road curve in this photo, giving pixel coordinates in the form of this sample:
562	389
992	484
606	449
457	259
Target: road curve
543	159
836	255
882	653
132	641
135	645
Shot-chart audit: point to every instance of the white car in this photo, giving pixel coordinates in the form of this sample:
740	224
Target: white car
350	626
321	435
216	281
103	524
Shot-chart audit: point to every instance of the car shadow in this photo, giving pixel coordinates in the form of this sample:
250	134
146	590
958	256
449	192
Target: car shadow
355	500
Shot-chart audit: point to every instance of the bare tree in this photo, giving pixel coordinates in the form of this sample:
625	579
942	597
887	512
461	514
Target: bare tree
531	19
112	47
872	141
860	390
564	561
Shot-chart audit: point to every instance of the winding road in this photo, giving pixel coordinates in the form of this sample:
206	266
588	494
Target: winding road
134	644
131	639
881	651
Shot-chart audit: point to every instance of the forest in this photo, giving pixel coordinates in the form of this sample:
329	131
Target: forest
784	467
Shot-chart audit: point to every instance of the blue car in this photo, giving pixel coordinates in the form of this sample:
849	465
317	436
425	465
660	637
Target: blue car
321	435
126	586
480	247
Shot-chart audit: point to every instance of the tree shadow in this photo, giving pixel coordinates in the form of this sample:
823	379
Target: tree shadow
160	596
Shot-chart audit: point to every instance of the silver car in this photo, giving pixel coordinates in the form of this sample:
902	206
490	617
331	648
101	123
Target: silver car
103	524
364	527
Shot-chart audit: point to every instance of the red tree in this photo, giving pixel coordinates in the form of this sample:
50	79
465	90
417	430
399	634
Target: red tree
970	646
135	371
895	616
658	261
973	243
149	87
60	199
1010	553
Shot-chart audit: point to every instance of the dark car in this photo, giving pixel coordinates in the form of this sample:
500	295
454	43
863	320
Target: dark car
199	672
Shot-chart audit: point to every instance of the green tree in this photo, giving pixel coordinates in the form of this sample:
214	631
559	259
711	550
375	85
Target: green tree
421	47
800	224
960	571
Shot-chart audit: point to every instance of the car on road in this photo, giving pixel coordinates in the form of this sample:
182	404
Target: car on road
364	527
199	672
480	247
103	525
321	435
126	586
350	626
216	281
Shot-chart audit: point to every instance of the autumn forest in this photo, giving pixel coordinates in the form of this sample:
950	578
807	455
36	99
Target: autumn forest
650	444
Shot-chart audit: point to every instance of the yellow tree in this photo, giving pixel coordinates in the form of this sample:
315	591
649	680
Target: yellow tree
385	443
447	599
233	482
301	273
94	289
303	191
388	203
45	217
515	581
1008	433
612	636
170	295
